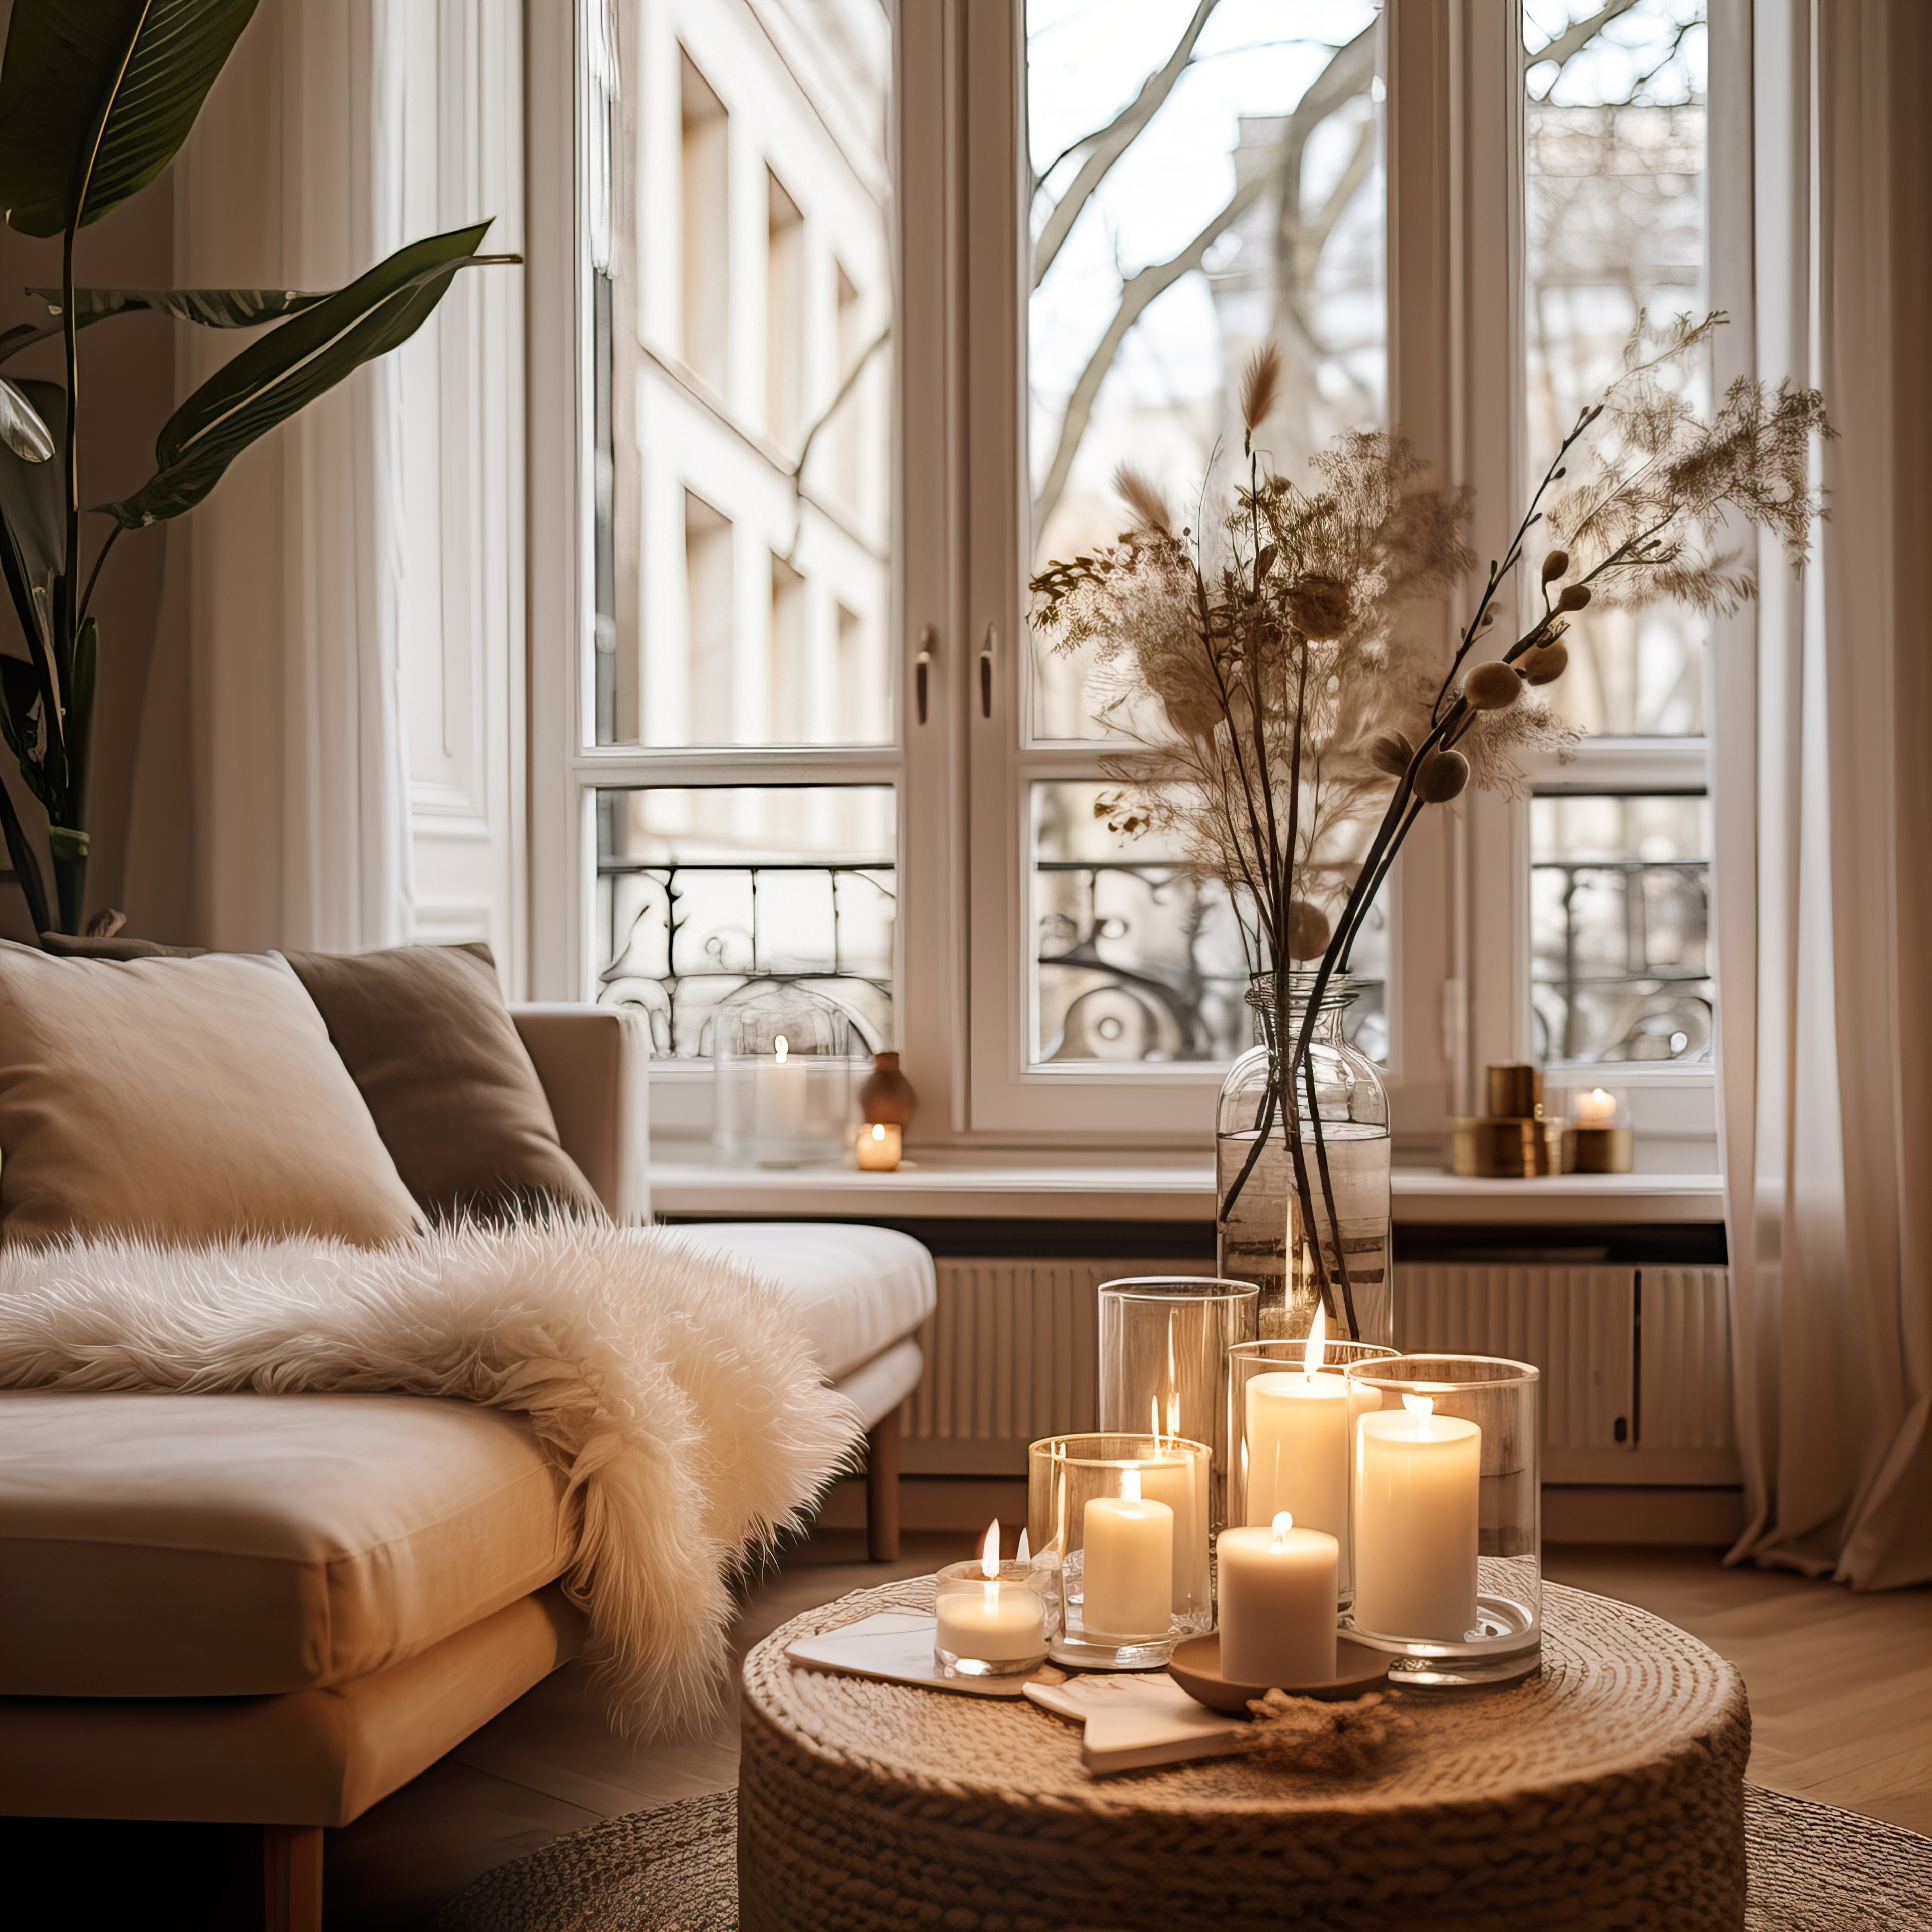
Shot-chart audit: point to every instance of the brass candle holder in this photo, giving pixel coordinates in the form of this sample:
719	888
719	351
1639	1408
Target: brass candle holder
1512	1141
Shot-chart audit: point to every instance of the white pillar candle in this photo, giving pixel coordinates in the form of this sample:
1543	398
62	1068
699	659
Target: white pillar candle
1181	1483
1417	1476
1596	1108
1127	1585
778	1090
1277	1614
1297	1433
878	1148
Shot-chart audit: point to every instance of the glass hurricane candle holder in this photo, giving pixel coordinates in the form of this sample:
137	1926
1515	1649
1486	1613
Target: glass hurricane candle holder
785	1068
1164	1339
1445	1513
1290	1417
993	1619
1118	1522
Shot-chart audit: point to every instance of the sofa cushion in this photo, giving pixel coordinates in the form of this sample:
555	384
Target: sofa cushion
171	1545
857	1289
184	1100
423	1032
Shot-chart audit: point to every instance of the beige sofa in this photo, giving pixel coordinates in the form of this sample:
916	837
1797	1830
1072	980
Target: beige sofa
276	1609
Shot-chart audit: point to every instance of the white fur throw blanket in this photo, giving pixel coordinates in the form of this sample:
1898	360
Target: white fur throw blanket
673	1389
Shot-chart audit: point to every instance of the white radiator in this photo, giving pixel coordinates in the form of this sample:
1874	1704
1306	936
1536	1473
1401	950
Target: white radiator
1635	1362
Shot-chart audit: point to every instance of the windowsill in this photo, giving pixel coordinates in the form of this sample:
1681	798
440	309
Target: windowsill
1150	1187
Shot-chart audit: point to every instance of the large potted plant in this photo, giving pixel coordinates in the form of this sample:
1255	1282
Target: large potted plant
95	102
1287	732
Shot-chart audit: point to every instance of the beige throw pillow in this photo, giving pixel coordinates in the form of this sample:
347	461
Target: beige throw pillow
183	1100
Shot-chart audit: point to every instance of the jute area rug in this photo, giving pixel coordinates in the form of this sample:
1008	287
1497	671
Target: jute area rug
1813	1869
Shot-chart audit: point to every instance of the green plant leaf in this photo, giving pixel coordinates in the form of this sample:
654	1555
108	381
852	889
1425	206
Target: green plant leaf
20	856
213	308
19	692
33	541
21	428
80	712
150	62
288	368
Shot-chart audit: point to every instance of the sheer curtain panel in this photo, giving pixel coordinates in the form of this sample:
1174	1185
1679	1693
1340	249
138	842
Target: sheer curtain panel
1822	744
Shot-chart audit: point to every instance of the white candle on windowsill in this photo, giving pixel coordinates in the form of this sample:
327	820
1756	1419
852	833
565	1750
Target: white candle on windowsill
779	1093
1000	1622
1127	1569
1417	1479
878	1148
1596	1108
1277	1604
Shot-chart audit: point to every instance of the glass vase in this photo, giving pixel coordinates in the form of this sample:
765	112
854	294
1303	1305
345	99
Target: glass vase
1261	1231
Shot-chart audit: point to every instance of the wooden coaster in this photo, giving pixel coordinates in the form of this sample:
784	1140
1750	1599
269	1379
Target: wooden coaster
1196	1668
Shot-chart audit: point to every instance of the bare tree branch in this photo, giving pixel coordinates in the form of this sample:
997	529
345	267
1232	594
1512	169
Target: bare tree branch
1107	146
1347	75
1575	37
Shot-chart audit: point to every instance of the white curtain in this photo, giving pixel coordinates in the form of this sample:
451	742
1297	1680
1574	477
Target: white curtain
1822	744
292	179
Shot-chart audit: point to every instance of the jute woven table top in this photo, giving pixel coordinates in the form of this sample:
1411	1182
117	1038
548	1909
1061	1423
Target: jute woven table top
1608	1790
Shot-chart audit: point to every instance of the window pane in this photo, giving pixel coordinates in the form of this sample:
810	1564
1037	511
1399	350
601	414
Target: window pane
1614	135
1138	958
1249	206
702	894
745	582
1619	921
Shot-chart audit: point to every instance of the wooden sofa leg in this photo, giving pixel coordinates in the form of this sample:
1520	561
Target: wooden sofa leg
292	1878
882	1490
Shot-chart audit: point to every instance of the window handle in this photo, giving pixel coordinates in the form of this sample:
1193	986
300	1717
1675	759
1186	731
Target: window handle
922	668
986	650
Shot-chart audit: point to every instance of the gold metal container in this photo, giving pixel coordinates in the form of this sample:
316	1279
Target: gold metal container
1598	1150
1511	1150
1516	1092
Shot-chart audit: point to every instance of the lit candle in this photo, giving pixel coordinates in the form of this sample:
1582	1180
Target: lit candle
999	1622
1277	1613
1416	1480
779	1087
1297	1433
1596	1108
878	1147
1128	1582
1181	1483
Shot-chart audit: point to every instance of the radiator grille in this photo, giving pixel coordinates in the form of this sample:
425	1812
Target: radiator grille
1010	1357
1575	1324
1684	1395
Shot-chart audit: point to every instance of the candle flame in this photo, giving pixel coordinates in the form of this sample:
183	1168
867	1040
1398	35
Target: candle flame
780	1047
878	1133
1130	1485
1419	1405
1024	1552
1318	1333
1283	1523
989	1550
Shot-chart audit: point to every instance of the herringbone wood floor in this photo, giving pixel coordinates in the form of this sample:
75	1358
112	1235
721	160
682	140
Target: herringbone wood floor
1840	1689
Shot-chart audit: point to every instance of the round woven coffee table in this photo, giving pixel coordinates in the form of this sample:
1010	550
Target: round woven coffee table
1608	1792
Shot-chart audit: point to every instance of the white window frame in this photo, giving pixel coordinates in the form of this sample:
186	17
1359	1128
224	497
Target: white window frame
1458	979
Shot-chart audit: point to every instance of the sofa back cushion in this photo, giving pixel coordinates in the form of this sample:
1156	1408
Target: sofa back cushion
182	1099
424	1033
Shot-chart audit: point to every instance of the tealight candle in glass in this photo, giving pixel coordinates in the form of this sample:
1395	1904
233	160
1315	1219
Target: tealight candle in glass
1445	1514
1120	1523
994	1618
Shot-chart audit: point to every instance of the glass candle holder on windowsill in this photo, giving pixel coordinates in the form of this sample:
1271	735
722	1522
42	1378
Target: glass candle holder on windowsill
1445	1513
1291	1419
1118	1523
994	1625
1164	1339
784	1057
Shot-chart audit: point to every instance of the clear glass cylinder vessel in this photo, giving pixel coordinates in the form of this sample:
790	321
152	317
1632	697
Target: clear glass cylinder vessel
1273	1150
1290	1419
1119	1522
1445	1505
786	1072
1164	1343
